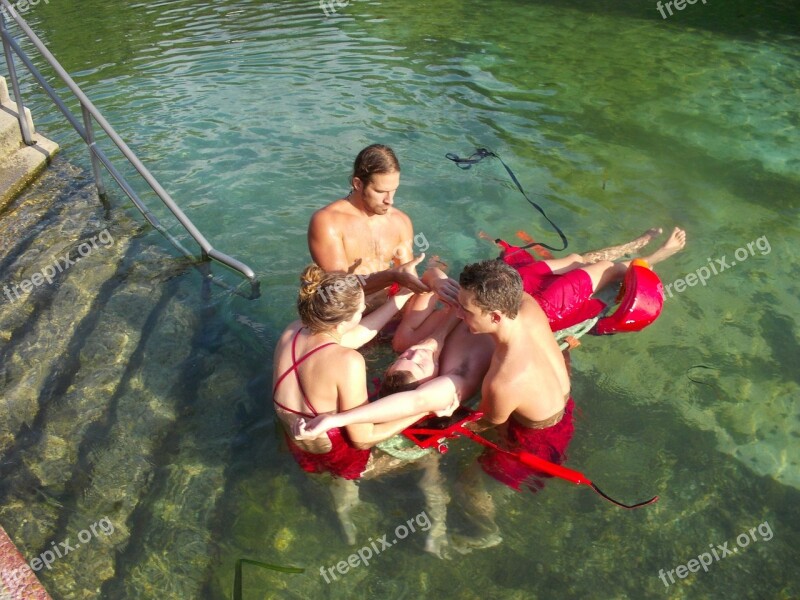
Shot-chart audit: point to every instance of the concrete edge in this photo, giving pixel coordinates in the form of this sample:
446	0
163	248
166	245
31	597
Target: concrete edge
17	579
31	161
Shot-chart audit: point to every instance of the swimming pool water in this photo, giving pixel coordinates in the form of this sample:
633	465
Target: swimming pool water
614	120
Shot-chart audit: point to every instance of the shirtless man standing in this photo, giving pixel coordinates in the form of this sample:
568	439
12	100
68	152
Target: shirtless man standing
526	390
364	233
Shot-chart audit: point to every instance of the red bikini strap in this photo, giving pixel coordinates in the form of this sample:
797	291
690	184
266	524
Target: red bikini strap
295	365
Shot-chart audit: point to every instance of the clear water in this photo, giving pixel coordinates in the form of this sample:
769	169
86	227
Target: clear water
616	120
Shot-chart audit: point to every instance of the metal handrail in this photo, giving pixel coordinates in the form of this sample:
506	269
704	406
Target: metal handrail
85	130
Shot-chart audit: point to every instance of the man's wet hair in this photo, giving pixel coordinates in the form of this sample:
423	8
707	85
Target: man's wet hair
396	382
495	286
375	159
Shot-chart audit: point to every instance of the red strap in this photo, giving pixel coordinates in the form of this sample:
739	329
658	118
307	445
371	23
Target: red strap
295	365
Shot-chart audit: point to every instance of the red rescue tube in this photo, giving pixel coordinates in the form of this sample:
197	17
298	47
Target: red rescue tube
642	300
534	462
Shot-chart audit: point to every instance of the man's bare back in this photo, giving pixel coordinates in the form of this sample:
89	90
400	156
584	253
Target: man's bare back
527	376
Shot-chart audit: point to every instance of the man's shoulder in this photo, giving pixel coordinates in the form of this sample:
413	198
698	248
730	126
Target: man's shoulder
332	213
337	207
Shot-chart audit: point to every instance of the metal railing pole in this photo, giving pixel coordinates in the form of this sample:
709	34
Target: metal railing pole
12	73
90	141
90	116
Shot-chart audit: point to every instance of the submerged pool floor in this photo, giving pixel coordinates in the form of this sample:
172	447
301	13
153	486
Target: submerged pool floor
135	423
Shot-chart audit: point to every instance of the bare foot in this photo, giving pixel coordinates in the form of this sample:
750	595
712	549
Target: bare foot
438	543
465	544
674	244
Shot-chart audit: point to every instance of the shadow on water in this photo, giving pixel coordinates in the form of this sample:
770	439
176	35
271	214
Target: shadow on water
744	19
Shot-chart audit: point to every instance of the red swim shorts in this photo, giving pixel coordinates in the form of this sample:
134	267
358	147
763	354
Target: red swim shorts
549	444
343	460
565	298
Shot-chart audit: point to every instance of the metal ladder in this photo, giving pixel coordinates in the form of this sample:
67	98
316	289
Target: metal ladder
92	115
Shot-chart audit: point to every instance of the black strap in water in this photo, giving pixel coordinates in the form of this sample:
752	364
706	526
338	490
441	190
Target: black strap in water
478	156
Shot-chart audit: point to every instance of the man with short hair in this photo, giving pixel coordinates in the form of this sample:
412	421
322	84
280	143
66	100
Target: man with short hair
364	233
525	391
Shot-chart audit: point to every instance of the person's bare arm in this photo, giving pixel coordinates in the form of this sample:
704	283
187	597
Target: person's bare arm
435	325
496	405
437	395
370	325
443	286
325	243
352	394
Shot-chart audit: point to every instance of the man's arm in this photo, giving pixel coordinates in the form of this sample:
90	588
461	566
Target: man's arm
496	405
325	243
370	325
404	275
439	394
443	286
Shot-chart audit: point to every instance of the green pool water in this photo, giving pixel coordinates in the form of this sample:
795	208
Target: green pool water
615	120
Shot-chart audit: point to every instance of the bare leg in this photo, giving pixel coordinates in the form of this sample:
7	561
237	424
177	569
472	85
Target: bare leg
674	244
616	252
604	272
436	500
559	266
345	499
479	508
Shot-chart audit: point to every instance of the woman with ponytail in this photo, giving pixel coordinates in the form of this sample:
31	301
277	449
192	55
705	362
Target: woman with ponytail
318	370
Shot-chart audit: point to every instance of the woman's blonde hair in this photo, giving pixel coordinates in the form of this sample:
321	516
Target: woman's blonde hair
327	299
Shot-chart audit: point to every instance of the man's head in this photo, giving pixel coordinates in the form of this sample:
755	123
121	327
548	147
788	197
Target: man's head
490	290
376	177
414	366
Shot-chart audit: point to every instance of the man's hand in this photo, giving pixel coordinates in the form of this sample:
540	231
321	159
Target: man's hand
406	276
447	290
450	408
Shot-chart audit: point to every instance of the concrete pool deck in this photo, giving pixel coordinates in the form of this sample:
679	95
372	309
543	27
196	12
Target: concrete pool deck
19	163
